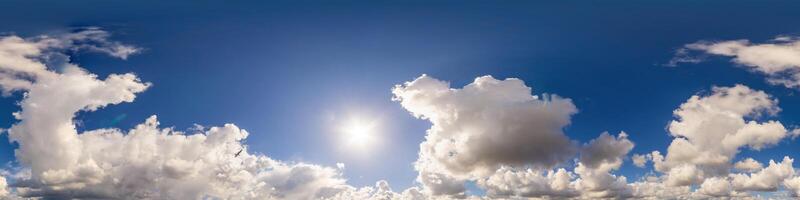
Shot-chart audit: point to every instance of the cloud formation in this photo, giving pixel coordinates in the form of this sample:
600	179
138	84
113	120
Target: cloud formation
779	59
146	162
496	133
748	165
487	124
586	181
484	126
710	130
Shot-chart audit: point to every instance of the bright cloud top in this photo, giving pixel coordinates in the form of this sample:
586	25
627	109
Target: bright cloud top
711	130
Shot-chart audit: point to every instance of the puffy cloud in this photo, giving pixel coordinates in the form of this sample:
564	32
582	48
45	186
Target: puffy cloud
639	160
496	133
737	186
716	187
793	185
507	182
606	150
768	179
652	188
685	174
381	191
146	162
4	187
600	183
486	125
590	181
748	165
779	60
441	184
598	158
21	59
710	131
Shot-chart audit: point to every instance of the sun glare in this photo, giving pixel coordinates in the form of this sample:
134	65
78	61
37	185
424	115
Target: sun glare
358	134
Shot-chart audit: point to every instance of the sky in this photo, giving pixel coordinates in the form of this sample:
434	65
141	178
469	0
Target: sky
458	99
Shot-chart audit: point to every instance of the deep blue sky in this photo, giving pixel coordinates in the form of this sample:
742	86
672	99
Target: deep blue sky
290	72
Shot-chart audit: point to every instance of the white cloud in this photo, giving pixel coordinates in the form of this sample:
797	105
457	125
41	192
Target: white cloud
498	134
793	185
507	182
590	181
606	151
710	131
652	188
486	125
598	159
4	187
381	191
737	186
95	39
716	187
779	60
440	184
639	160
748	165
768	179
146	162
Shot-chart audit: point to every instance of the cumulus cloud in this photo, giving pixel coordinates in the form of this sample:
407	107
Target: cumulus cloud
507	182
606	150
710	131
496	133
779	59
717	187
738	186
793	185
440	184
639	160
21	60
768	179
598	159
381	191
748	165
653	188
588	181
486	125
146	162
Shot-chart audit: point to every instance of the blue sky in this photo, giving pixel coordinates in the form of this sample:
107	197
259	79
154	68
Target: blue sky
290	73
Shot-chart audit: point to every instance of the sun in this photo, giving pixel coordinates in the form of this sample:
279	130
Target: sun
358	133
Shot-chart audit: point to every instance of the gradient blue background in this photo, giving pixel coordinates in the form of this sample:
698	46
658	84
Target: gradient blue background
289	72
